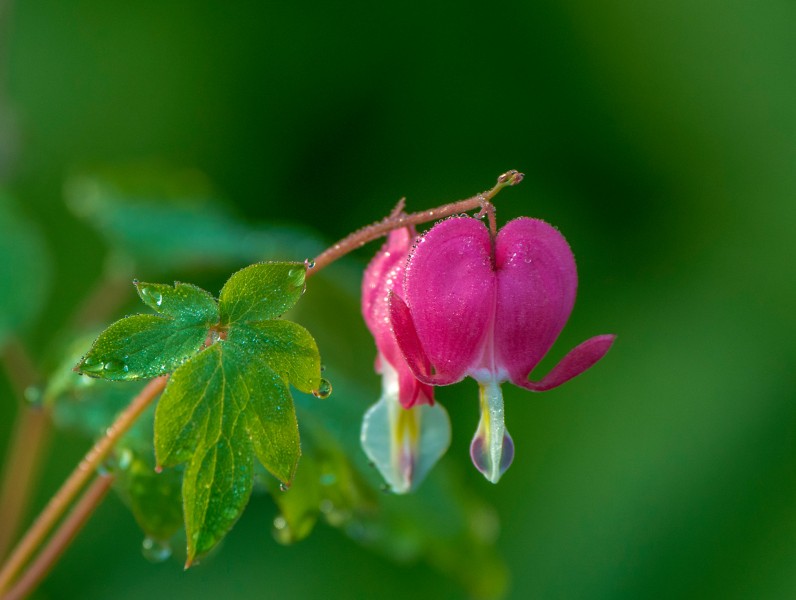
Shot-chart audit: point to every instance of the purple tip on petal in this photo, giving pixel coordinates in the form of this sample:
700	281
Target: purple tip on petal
479	453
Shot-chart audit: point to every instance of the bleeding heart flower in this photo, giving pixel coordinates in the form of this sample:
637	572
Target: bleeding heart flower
489	309
405	433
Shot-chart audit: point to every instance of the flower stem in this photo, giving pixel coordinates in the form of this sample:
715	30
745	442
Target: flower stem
396	221
61	539
27	446
80	476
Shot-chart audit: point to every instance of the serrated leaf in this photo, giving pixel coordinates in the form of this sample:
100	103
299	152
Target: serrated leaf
182	301
225	405
261	292
143	347
290	349
89	406
24	270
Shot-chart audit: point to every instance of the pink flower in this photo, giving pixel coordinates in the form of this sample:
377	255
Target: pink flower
405	433
489	309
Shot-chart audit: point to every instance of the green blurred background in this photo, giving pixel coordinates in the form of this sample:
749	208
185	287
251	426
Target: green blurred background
660	137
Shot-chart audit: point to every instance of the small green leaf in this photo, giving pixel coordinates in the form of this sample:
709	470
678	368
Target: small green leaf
182	301
153	497
145	346
290	350
142	347
222	407
261	292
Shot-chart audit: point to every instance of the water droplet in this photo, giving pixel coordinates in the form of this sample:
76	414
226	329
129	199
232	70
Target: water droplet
155	551
324	389
115	366
125	459
230	513
297	276
283	487
33	394
153	295
92	364
309	263
280	523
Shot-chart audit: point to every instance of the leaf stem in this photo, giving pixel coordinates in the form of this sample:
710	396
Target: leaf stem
27	445
395	221
80	476
62	538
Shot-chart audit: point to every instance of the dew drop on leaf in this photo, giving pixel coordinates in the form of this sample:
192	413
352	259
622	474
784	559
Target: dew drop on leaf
154	295
297	276
155	551
283	487
324	389
92	365
115	366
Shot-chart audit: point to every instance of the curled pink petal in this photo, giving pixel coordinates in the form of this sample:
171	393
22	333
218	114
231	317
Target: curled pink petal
449	287
536	285
384	276
580	358
409	343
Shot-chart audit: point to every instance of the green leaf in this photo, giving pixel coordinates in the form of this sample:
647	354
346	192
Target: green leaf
154	497
24	270
145	346
169	218
225	405
290	349
89	406
183	301
262	291
142	347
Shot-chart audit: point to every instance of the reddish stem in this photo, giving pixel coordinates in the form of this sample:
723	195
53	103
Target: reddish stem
396	221
76	481
61	539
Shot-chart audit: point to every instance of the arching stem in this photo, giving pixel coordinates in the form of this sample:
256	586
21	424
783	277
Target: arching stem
398	220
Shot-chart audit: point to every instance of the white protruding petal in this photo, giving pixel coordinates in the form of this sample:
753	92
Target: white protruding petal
492	448
403	444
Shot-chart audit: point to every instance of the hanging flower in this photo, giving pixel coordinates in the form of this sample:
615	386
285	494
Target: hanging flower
489	308
405	433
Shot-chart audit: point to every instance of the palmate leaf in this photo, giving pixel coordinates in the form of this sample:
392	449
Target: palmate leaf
228	398
231	402
146	346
